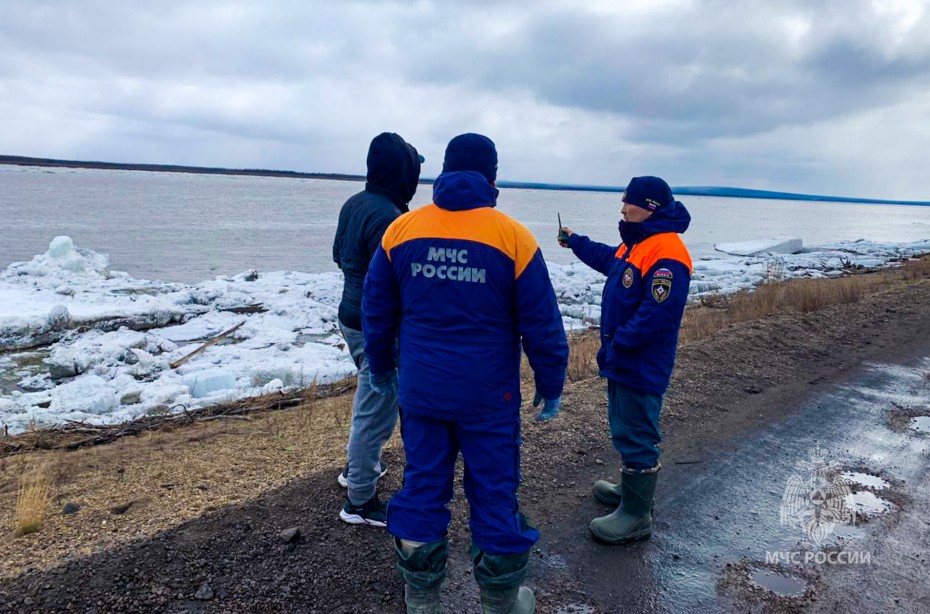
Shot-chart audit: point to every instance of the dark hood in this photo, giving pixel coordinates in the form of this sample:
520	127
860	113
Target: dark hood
673	217
463	190
393	169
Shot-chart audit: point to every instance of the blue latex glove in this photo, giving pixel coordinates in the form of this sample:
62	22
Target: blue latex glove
383	384
550	407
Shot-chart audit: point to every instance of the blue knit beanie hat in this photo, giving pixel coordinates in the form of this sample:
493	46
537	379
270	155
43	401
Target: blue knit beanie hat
471	152
649	193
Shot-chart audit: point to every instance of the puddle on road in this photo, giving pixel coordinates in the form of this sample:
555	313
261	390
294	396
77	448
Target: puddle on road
557	561
573	608
865	479
848	532
869	503
780	584
921	424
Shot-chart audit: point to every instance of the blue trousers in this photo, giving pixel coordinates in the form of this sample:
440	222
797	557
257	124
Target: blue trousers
634	425
491	451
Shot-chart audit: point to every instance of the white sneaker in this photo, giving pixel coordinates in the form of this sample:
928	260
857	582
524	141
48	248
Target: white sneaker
372	512
345	471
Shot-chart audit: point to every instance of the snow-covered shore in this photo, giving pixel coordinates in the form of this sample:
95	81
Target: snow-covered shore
81	342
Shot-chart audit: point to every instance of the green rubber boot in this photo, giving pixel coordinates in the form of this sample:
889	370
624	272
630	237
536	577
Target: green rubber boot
423	568
499	578
632	520
514	600
607	492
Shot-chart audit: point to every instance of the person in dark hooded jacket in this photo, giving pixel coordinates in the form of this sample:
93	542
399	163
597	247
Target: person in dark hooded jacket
393	173
648	277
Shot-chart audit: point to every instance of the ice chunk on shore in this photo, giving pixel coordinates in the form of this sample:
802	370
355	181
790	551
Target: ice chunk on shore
61	252
88	394
73	357
60	247
58	317
163	392
776	245
205	383
289	331
61	264
274	385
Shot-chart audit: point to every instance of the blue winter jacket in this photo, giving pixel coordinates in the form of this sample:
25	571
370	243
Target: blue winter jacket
463	285
644	297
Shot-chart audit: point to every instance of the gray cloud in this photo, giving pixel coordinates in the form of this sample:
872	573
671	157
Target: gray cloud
726	92
712	69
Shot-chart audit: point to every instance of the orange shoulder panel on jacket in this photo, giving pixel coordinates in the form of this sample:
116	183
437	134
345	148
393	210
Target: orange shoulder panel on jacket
483	225
620	251
663	246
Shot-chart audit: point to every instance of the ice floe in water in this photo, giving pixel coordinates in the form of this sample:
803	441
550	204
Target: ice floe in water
81	342
921	424
847	532
868	503
778	245
782	585
866	479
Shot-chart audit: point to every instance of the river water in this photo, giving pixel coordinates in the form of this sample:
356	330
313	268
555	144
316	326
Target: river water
187	227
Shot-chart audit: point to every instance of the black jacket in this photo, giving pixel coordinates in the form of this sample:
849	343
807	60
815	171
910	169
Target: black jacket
393	172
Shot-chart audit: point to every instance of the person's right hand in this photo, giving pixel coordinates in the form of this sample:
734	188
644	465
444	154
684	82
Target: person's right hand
564	233
550	407
383	384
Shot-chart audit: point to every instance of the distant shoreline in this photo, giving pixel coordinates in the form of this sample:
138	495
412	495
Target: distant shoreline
717	191
171	168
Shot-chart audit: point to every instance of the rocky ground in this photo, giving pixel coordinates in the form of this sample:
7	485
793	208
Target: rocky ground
242	515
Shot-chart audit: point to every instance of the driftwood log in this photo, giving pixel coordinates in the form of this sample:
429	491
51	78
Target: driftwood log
180	361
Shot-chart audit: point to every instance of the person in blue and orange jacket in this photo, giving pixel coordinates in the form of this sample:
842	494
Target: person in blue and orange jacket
463	286
648	277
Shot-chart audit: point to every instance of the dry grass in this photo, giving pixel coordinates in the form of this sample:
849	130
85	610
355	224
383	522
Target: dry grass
793	296
169	477
336	412
582	356
35	493
582	359
310	404
916	269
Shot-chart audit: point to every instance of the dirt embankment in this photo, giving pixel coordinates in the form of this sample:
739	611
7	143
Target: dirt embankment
193	519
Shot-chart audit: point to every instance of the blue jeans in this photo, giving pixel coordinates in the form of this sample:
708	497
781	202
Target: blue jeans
634	425
491	451
373	420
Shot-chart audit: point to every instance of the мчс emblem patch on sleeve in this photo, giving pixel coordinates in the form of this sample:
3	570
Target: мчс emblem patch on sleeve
627	277
661	284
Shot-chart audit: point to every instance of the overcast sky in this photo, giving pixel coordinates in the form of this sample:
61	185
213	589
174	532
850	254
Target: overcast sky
826	96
